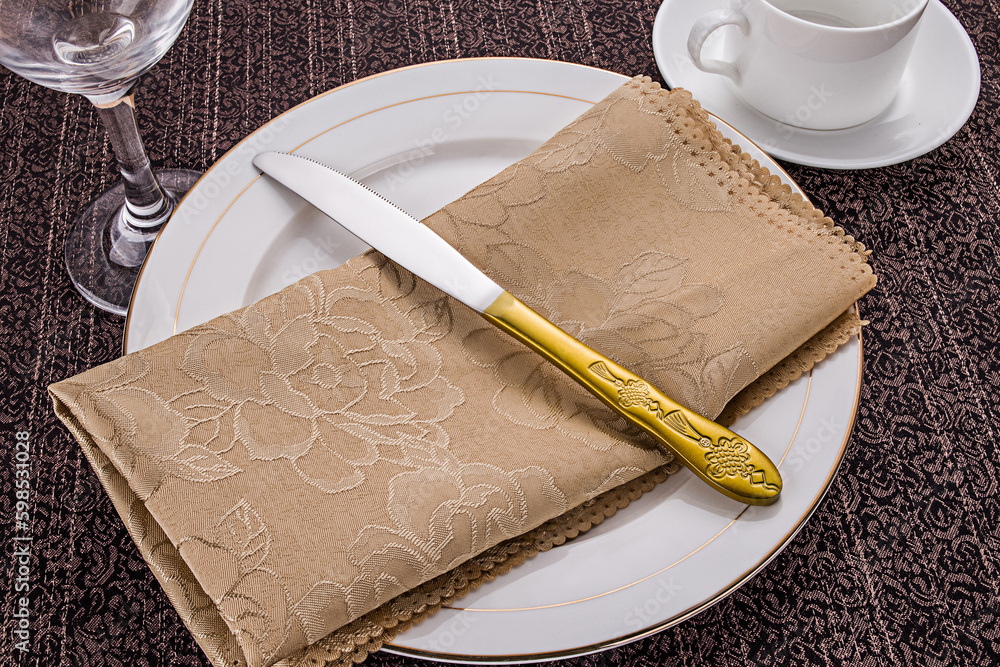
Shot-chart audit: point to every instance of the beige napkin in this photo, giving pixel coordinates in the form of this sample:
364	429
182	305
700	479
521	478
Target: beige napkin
312	473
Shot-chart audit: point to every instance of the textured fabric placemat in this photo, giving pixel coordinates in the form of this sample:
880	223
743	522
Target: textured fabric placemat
301	462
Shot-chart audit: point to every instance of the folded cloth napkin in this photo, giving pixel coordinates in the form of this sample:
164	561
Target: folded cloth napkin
311	473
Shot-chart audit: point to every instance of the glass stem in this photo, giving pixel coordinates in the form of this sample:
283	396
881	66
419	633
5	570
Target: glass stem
146	205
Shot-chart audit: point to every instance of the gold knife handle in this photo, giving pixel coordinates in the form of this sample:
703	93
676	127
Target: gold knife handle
718	456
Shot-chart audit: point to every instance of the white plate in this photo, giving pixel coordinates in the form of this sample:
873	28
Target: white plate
936	96
422	136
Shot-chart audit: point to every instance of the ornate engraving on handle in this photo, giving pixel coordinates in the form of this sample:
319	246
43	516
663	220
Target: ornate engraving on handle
726	457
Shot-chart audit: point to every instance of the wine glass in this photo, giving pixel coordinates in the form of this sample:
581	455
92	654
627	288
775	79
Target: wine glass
98	48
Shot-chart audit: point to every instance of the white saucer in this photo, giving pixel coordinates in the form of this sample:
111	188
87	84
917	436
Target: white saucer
937	95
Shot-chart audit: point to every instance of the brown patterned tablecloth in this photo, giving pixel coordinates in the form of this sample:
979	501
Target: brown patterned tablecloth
899	565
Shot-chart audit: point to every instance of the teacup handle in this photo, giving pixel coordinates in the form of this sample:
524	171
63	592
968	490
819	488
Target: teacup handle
704	27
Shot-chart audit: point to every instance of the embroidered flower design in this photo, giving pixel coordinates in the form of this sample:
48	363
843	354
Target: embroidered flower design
601	130
489	204
174	441
649	306
296	384
250	598
439	515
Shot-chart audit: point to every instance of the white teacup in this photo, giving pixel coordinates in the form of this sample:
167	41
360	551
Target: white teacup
816	64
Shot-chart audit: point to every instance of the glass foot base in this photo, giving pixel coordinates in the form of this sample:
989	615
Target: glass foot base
96	262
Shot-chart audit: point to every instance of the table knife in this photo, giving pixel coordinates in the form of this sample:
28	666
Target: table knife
720	457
